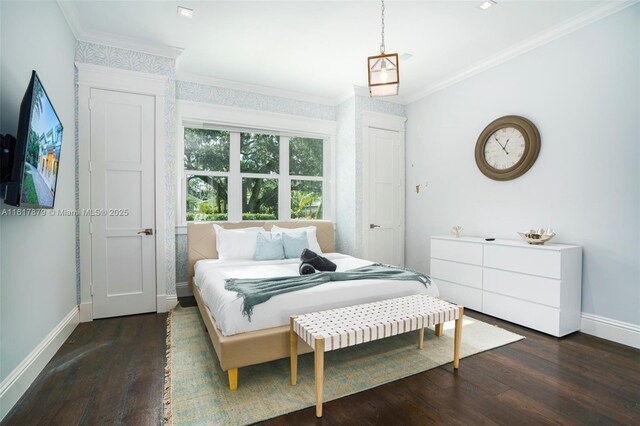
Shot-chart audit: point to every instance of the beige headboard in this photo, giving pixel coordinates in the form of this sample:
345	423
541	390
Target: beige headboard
201	237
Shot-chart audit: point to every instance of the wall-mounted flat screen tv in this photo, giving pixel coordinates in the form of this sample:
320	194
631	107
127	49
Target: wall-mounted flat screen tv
37	150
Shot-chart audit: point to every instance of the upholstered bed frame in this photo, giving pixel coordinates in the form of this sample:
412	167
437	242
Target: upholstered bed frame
254	347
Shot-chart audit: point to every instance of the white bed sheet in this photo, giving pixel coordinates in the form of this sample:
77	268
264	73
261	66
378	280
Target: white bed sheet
226	306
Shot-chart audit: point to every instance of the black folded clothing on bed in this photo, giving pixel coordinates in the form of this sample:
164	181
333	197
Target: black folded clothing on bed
320	263
306	269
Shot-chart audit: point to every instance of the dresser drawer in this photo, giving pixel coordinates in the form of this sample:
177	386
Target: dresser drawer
526	260
457	251
459	273
528	287
466	296
538	317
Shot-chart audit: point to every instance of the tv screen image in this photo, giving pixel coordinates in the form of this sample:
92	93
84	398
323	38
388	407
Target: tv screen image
42	154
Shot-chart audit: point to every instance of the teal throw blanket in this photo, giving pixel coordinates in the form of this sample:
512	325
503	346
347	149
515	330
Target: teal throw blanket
259	290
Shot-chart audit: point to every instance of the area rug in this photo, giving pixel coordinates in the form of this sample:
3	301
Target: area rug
197	393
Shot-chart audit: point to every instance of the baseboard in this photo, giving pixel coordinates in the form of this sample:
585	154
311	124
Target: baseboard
172	301
610	329
86	312
19	380
182	289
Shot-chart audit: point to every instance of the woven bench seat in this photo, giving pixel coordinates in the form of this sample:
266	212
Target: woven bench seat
353	325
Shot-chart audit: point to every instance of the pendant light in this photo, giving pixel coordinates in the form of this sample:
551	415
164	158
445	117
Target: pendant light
384	75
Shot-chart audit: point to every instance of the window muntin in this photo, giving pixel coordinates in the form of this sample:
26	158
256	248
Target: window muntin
254	176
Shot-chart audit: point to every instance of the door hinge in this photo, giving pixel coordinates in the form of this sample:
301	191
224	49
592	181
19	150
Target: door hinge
90	166
89	104
90	227
91	288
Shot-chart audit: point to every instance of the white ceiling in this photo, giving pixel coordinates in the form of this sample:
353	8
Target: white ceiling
319	48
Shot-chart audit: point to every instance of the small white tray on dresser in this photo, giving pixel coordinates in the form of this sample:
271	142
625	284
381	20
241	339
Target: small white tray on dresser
538	286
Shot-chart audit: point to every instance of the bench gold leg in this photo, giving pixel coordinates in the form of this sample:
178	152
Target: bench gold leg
421	338
439	329
293	352
319	369
456	341
233	379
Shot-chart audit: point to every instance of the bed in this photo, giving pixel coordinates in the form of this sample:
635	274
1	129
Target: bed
240	342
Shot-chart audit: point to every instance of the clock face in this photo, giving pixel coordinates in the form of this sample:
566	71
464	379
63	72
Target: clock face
507	147
504	148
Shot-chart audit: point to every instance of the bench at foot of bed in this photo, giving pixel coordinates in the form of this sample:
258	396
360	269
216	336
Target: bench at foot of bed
233	372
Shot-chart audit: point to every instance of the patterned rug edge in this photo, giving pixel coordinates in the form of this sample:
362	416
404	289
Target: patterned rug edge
168	412
403	377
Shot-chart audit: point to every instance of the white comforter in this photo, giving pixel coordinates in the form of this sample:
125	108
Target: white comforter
226	306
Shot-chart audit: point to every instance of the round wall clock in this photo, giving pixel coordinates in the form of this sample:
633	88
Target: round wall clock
507	147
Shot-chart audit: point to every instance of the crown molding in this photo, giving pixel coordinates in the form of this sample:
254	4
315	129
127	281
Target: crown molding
254	88
540	39
113	40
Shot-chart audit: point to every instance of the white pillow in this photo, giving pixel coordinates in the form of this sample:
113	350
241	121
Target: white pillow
236	244
310	231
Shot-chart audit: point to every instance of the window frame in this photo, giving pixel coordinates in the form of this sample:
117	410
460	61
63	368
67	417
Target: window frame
236	121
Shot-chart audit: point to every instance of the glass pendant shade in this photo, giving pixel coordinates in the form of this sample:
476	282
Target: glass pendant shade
384	75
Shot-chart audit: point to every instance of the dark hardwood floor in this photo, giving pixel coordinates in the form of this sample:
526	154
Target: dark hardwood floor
109	371
112	372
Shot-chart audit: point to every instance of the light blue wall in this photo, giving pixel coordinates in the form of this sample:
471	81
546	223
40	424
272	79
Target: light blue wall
583	93
37	263
112	57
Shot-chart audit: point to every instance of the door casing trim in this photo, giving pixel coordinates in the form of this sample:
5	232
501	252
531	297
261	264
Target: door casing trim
106	78
392	123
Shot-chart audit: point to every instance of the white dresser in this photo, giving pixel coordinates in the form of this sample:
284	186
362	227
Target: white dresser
536	286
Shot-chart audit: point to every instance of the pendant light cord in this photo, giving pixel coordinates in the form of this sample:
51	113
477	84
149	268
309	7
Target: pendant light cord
382	45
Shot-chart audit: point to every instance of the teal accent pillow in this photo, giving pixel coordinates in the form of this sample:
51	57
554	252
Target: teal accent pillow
269	248
294	243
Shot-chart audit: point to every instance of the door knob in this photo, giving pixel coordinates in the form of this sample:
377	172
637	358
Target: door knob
371	226
147	231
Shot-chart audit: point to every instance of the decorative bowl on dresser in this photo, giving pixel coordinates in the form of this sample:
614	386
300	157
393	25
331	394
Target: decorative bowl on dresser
538	286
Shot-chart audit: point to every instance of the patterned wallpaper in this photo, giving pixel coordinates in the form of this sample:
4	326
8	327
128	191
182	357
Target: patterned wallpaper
196	92
107	56
346	177
182	275
349	141
349	168
348	151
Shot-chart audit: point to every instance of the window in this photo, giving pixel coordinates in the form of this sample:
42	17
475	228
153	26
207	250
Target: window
246	175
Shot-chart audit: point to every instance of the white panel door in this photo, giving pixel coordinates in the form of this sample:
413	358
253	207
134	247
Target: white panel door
122	131
385	182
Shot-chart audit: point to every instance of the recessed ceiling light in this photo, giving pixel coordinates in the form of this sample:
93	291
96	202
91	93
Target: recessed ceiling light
487	4
185	12
406	56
